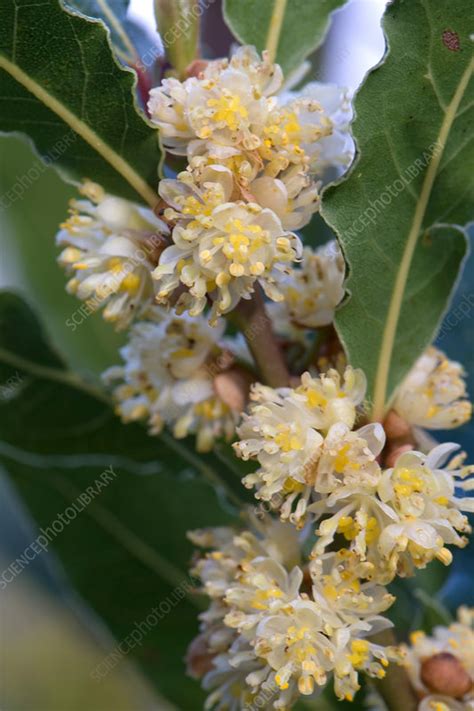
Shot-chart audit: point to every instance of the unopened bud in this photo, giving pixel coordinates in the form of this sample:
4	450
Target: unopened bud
196	67
154	246
444	674
198	658
233	388
395	426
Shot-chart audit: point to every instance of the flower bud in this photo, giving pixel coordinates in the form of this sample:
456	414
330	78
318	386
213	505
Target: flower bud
198	658
233	388
444	674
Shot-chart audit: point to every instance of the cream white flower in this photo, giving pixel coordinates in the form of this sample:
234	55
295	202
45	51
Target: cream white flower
111	246
455	641
226	106
284	432
291	631
433	395
313	290
167	378
397	519
346	482
229	115
335	150
220	249
421	490
230	682
341	585
332	398
348	462
281	436
233	551
291	134
354	655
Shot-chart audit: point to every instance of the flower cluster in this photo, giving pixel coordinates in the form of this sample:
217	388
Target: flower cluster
441	666
110	246
433	394
345	505
170	367
253	165
315	466
311	292
277	628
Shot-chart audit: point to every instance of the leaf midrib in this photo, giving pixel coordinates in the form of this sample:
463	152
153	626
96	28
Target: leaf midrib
274	28
391	324
119	164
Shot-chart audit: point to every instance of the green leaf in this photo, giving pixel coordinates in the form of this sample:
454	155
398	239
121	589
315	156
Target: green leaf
178	24
126	551
113	14
289	29
61	85
398	213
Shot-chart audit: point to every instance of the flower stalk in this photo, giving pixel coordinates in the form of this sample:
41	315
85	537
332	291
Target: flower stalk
255	324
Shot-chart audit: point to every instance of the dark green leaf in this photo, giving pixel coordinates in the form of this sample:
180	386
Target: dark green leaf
305	23
61	85
413	178
126	552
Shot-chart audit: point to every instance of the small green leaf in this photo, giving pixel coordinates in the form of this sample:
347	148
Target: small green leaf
61	85
289	29
397	215
126	552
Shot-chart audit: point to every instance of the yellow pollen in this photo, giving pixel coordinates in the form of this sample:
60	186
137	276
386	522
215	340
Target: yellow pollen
416	636
341	460
315	399
292	485
261	597
228	109
287	440
348	527
360	650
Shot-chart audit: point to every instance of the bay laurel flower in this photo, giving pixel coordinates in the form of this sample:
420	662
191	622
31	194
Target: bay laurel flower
441	665
230	115
312	290
220	249
227	105
394	520
110	246
336	148
167	378
284	431
290	631
433	395
279	434
346	483
422	491
332	397
355	655
342	585
291	133
293	196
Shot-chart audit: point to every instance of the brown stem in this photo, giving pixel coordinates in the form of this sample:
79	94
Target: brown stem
256	326
395	687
